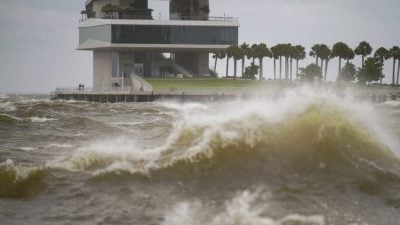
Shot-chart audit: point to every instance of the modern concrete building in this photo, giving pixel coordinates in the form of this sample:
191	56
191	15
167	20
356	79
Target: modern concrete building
127	43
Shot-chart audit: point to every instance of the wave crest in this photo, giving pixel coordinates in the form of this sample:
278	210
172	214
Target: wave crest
304	132
7	107
20	181
10	119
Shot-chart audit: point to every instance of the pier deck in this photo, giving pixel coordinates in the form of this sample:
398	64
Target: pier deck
117	96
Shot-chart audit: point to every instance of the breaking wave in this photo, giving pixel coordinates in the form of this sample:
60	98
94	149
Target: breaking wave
7	107
6	118
20	181
305	132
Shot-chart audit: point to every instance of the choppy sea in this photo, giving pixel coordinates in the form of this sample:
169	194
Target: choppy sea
311	157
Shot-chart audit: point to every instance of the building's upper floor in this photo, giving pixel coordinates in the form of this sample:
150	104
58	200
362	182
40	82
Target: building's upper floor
104	33
128	24
139	9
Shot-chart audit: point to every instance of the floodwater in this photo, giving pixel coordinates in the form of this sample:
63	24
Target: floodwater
308	158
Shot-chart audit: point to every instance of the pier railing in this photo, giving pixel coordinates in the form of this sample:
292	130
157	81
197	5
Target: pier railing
118	94
172	91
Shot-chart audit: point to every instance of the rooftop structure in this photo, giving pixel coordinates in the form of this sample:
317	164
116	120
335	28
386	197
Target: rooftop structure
127	42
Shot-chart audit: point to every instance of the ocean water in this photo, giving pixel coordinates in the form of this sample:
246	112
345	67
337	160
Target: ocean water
311	157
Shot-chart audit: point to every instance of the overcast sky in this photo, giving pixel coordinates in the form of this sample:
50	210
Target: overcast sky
38	38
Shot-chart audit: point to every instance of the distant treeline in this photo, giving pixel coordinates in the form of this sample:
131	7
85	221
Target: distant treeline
371	68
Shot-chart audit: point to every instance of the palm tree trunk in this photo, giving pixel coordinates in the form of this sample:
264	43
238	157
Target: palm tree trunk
362	61
291	69
215	65
398	72
297	69
261	69
235	68
274	69
286	68
316	60
280	67
340	67
242	66
227	66
322	64
326	68
394	71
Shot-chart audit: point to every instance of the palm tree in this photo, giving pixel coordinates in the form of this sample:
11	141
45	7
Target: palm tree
222	55
315	52
397	56
286	52
244	48
216	56
262	51
382	54
325	54
275	55
237	54
299	54
393	53
349	55
228	56
279	53
340	50
292	55
364	49
250	53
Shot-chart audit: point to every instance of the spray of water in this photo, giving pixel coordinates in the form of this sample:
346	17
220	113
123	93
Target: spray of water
245	208
201	130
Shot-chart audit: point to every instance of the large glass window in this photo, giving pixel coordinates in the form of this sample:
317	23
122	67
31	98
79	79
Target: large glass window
100	33
146	34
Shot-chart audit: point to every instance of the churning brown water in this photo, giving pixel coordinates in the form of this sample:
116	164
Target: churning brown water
308	158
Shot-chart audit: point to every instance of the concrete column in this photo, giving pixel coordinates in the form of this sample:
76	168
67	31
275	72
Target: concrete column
101	70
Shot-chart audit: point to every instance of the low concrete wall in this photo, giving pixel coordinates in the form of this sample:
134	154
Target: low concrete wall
193	97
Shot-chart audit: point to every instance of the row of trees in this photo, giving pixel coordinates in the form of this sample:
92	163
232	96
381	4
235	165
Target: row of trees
370	70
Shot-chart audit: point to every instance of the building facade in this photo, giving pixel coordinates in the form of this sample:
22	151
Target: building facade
128	43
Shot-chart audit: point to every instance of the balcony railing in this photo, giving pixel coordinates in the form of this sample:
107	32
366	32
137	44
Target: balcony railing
138	17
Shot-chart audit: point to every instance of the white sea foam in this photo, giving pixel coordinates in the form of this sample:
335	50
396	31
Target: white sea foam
27	149
58	146
393	103
79	135
3	96
41	119
127	123
192	107
8	162
47	100
246	208
7	107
